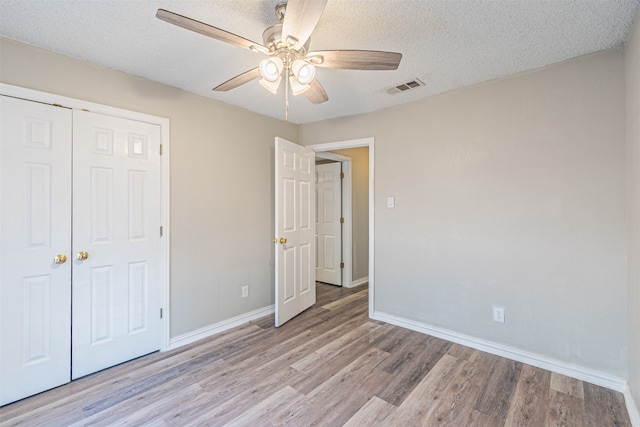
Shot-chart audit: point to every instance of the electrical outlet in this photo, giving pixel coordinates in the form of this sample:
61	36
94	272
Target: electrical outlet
245	291
498	313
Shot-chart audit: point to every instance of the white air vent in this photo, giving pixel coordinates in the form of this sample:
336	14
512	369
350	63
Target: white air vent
404	86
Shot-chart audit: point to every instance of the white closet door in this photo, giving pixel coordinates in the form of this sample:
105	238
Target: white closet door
116	221
35	227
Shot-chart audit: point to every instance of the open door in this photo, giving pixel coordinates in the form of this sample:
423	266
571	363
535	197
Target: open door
295	230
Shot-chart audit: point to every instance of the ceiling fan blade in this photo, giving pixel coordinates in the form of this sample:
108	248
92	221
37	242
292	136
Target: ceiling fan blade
358	59
206	29
316	93
238	80
301	18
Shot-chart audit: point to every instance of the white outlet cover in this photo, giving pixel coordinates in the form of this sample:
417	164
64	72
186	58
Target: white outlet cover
498	313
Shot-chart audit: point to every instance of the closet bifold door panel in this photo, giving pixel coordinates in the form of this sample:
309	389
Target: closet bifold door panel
35	247
80	251
116	226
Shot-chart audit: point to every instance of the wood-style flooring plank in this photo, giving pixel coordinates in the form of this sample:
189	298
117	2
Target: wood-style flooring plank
531	398
346	300
499	388
454	408
565	410
567	385
424	398
341	395
604	408
275	406
374	413
409	364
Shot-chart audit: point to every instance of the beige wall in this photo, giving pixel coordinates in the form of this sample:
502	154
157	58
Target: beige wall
221	216
513	193
359	210
632	56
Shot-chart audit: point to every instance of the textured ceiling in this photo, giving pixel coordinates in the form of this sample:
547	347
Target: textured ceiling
447	44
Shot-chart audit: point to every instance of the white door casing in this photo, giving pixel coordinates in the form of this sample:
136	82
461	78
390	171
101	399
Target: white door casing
328	226
295	286
35	304
116	221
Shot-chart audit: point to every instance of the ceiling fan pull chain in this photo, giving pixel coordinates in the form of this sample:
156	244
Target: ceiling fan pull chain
286	97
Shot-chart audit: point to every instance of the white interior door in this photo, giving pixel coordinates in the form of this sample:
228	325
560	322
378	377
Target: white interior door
116	221
328	225
35	227
295	223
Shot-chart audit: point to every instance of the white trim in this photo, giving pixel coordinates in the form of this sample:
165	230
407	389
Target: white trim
632	407
49	98
216	328
584	374
355	143
360	281
347	227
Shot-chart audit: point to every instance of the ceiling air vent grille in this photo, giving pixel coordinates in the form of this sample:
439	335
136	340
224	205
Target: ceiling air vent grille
404	86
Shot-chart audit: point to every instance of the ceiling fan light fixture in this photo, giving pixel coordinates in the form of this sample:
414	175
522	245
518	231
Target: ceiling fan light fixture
303	71
296	87
271	86
270	69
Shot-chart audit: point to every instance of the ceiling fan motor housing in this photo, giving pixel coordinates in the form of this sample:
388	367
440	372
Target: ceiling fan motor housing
272	39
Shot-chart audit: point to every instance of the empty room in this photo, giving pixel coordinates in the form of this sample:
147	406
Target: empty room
320	212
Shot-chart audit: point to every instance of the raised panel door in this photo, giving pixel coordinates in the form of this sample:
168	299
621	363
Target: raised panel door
35	226
328	226
116	290
295	230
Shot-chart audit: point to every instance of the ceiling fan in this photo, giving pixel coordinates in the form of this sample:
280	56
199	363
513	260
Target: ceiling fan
286	46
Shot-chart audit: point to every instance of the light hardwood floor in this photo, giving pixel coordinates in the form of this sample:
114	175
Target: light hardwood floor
330	366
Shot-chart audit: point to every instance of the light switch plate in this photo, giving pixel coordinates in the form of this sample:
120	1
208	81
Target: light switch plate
391	202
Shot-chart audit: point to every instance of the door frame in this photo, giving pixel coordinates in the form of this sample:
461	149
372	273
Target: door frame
73	103
346	237
356	143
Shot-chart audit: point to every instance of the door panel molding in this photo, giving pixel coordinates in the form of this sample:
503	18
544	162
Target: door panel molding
35	276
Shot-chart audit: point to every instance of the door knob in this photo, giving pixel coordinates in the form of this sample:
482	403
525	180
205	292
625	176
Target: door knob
82	256
283	240
60	259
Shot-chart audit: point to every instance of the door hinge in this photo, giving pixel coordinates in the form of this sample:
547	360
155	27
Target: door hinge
341	175
161	312
161	149
160	231
342	265
341	220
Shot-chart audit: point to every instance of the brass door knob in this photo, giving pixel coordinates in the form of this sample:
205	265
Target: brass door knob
60	259
283	240
82	256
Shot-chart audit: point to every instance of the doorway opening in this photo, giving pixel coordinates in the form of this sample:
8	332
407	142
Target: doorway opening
329	149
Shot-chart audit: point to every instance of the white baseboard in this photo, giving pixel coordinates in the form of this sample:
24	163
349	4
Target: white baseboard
632	407
584	374
216	328
360	281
